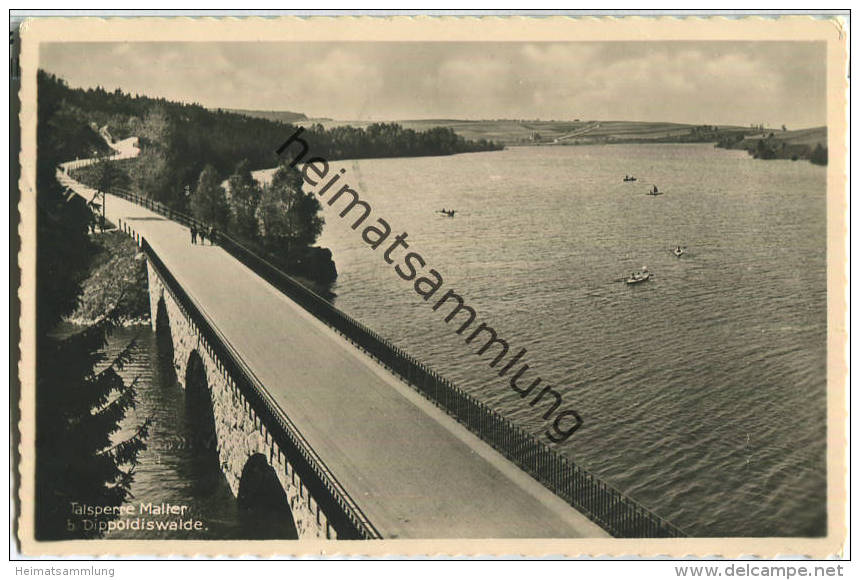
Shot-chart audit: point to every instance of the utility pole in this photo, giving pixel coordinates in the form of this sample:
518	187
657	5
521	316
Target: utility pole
105	181
102	187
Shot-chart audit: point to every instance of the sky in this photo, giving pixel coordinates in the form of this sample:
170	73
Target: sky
738	83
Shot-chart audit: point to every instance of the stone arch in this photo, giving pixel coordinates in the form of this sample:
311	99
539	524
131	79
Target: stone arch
200	411
263	501
162	319
164	343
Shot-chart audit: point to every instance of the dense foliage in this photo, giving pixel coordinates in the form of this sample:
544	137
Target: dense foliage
389	140
289	217
819	155
117	279
209	201
280	220
245	195
80	397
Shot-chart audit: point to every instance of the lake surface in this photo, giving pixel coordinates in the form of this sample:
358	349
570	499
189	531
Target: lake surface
703	390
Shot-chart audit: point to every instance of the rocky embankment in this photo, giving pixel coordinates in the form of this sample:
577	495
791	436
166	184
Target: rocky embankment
117	278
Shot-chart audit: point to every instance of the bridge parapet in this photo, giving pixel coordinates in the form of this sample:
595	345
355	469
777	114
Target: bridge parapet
247	421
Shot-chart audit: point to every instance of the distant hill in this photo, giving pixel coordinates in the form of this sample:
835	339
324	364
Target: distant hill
575	132
762	143
278	116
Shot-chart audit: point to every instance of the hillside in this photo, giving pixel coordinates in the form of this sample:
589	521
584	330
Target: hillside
805	137
576	132
808	144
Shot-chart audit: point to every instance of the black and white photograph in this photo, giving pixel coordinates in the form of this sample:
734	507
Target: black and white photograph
318	280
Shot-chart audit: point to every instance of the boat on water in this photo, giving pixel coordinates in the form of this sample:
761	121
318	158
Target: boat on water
679	251
629	178
448	212
654	191
638	277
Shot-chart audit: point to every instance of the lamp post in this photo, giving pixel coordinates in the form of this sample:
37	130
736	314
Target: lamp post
104	184
187	191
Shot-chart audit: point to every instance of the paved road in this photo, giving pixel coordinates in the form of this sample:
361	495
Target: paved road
413	471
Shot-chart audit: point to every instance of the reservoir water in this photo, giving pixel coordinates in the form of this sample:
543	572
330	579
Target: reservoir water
702	391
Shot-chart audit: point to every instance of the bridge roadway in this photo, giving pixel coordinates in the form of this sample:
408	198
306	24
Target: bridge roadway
413	470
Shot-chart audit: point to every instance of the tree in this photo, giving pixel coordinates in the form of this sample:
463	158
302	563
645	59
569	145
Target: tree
78	413
819	155
108	176
153	170
763	150
289	217
245	195
209	201
80	401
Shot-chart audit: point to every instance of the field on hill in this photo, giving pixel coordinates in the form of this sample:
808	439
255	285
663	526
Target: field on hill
808	144
807	137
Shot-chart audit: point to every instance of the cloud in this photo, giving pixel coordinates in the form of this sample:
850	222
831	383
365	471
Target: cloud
341	81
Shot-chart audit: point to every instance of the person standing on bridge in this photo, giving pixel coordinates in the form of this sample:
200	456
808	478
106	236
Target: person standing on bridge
212	235
193	234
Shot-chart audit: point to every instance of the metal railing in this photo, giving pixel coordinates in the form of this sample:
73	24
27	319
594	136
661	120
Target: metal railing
618	514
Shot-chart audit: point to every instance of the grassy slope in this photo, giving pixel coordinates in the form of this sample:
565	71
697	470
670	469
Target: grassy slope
798	144
807	137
